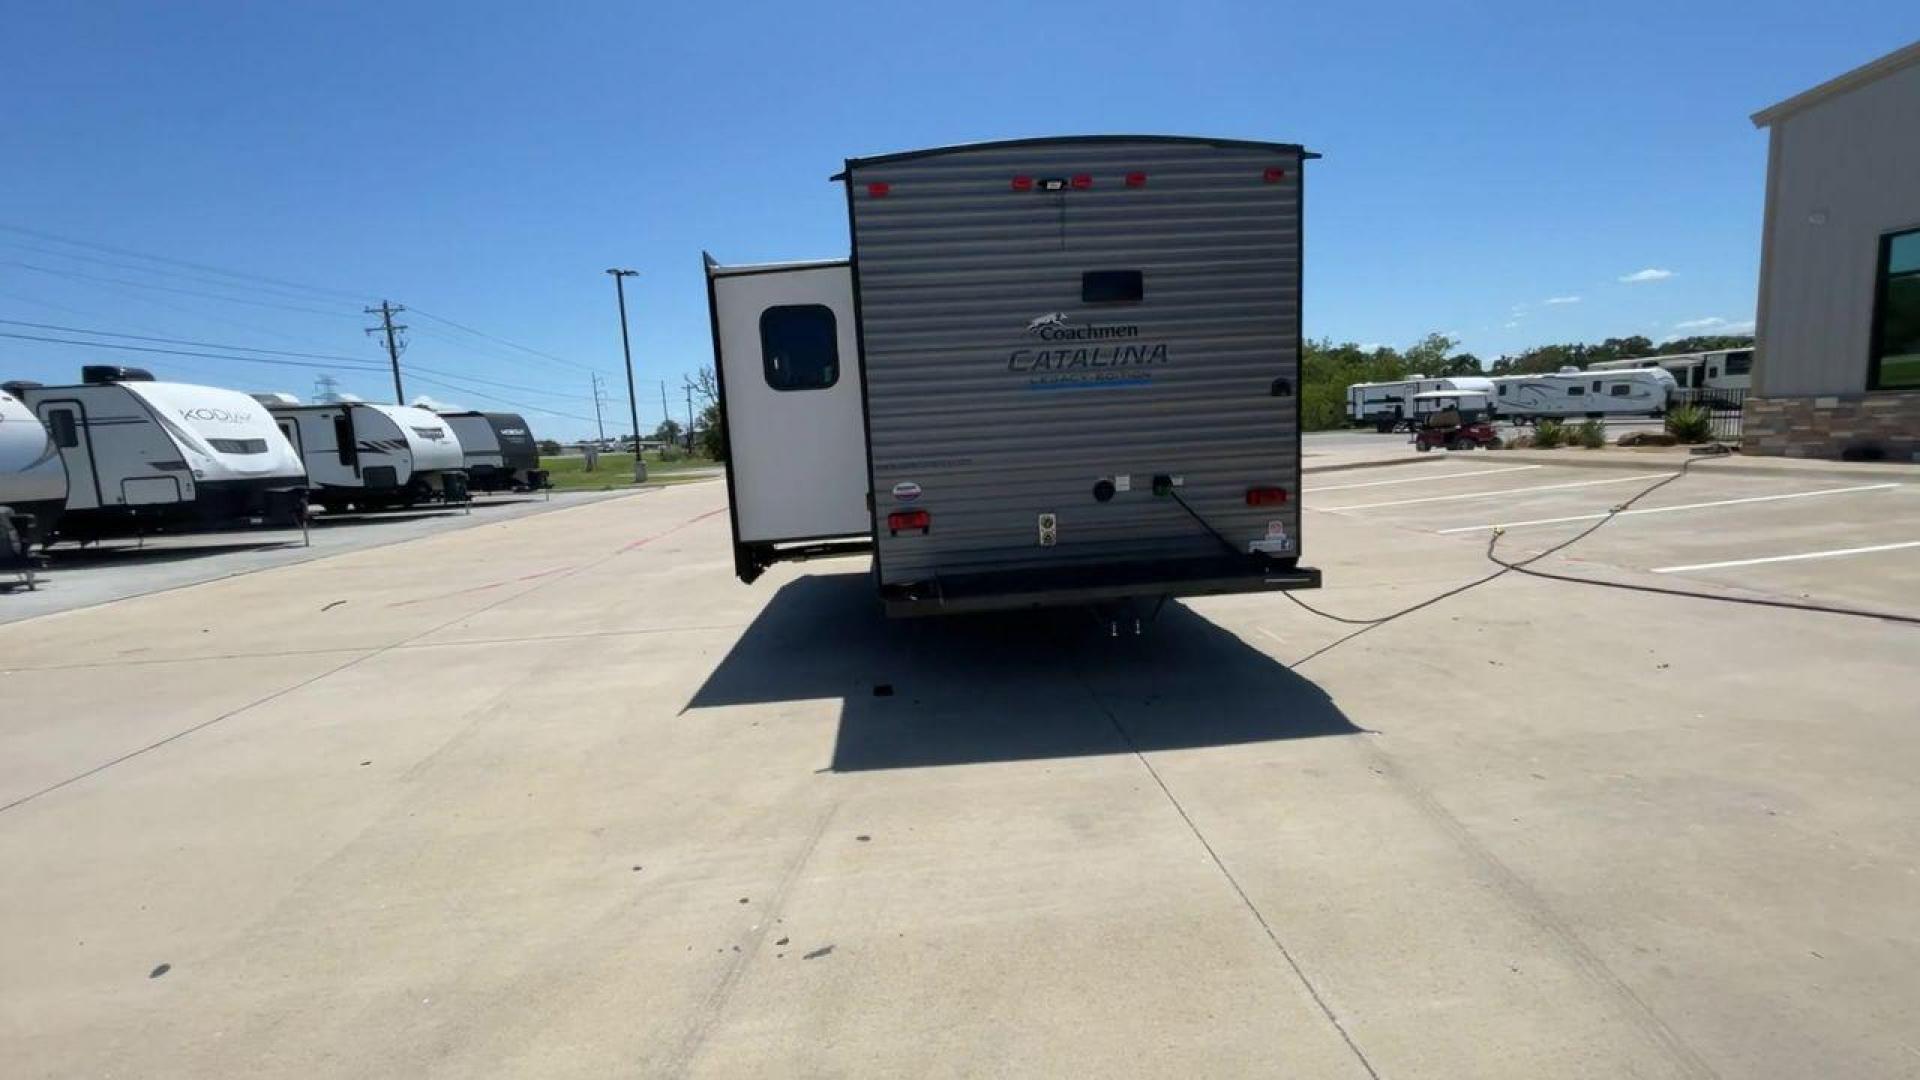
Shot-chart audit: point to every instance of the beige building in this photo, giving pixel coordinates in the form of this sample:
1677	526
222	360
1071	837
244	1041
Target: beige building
1837	367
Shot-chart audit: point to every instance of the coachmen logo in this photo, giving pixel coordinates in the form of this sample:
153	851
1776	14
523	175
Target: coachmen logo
1087	355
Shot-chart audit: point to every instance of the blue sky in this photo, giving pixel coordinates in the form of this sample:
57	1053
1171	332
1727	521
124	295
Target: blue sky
485	162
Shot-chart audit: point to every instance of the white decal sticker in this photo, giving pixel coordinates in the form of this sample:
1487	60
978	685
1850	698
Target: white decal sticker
906	491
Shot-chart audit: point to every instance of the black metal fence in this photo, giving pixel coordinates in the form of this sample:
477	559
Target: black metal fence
1724	409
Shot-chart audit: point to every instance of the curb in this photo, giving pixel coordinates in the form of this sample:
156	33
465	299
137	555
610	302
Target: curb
1733	463
1370	463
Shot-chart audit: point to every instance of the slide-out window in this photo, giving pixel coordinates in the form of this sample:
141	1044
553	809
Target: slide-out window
61	426
1112	286
800	347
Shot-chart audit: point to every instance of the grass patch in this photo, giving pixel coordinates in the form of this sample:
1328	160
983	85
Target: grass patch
616	471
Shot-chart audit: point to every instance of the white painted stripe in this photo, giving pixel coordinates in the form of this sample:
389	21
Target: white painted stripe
1504	491
1421	479
1672	509
1834	554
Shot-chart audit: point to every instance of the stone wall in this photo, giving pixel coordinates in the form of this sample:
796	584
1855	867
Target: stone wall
1825	427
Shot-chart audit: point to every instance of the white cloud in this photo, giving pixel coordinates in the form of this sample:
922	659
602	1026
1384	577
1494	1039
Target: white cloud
1651	273
1563	300
1509	326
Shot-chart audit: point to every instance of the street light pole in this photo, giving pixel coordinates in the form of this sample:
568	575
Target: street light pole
626	347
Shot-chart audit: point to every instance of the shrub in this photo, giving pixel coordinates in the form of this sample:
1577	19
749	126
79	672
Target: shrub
1548	434
1690	424
1647	438
1592	434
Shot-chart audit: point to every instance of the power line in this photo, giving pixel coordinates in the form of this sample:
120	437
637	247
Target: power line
501	400
179	352
78	276
119	264
180	341
282	282
510	344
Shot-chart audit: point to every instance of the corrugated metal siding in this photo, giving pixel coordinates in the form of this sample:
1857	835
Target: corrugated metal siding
952	265
1854	162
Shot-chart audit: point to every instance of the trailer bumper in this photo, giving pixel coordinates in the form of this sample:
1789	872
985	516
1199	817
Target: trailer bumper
1095	585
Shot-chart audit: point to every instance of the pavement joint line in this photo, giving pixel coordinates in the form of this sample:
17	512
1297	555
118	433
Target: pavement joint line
1503	491
1830	554
1221	865
1421	479
1670	509
539	584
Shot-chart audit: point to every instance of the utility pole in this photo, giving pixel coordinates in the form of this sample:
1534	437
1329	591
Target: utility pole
597	422
689	418
387	311
626	347
664	414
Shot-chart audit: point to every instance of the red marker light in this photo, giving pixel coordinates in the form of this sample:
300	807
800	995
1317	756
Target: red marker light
1023	183
879	189
1082	181
1266	496
1274	176
1136	179
908	520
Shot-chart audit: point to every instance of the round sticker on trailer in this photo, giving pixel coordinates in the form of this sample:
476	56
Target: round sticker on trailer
906	491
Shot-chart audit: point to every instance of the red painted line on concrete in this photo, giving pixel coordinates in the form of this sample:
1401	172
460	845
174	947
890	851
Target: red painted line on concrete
645	540
480	588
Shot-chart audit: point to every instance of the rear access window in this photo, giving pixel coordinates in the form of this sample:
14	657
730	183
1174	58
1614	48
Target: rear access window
239	446
800	347
61	426
1112	286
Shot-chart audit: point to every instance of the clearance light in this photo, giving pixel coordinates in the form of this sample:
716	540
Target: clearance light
1082	181
1274	176
879	189
1266	496
908	520
1023	183
1136	179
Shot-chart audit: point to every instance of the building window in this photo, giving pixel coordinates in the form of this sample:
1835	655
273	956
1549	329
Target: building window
1896	319
800	347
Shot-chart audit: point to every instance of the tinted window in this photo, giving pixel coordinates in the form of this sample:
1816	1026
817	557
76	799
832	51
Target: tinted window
239	446
1619	389
1740	363
61	426
800	347
1896	322
1503	390
1112	286
343	438
1576	391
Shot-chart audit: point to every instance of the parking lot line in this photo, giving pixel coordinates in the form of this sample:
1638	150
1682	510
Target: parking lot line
1502	491
1418	479
1671	509
1833	554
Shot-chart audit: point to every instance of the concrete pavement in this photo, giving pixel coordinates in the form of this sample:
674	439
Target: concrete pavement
561	798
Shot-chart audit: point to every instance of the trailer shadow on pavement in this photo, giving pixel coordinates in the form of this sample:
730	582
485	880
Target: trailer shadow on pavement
1012	686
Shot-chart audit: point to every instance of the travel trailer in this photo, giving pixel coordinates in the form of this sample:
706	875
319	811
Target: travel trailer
1053	371
143	456
1385	406
1718	369
33	479
498	451
1468	403
365	456
1590	394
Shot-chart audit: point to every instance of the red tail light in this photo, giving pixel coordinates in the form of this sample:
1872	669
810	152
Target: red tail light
1023	183
1274	176
1082	181
879	189
1136	179
908	520
1266	496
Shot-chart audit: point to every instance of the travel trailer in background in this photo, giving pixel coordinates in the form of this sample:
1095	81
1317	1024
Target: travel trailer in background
498	450
368	456
1468	403
1385	406
1718	369
33	479
143	456
1054	371
1590	394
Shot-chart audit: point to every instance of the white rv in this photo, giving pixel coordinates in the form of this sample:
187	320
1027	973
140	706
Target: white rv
1053	372
1716	369
1385	406
1466	402
144	456
1590	394
33	479
368	456
498	450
